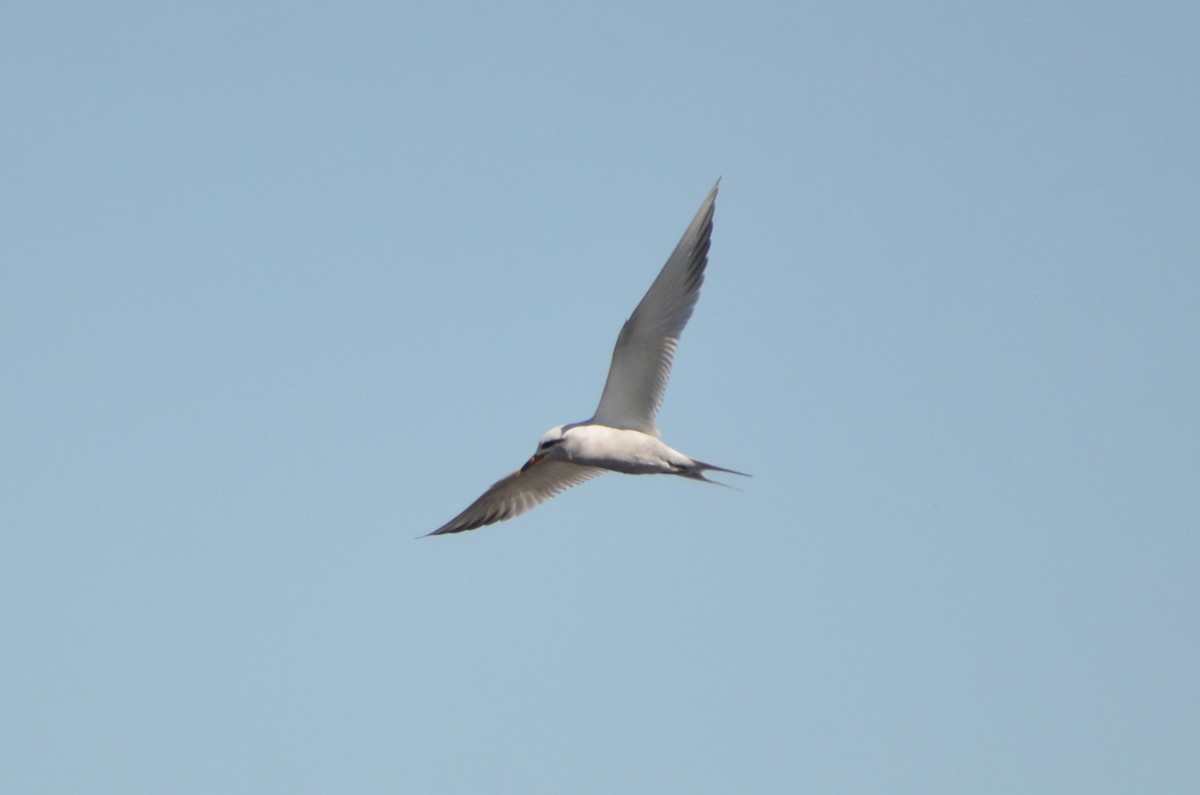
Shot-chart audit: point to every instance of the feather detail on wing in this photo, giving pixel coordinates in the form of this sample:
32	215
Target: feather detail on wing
645	349
518	493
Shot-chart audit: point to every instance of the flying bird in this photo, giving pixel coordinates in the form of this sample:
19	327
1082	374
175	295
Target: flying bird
621	436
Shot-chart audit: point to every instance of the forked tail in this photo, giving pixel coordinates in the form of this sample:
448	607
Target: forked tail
698	468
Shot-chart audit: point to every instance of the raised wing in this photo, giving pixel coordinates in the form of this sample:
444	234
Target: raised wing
641	361
518	493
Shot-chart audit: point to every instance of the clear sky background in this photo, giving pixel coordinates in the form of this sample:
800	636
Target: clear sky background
284	286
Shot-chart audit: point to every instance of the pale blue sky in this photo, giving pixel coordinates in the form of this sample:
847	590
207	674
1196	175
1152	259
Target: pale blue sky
283	286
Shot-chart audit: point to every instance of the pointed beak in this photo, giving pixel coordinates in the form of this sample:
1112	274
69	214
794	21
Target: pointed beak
532	460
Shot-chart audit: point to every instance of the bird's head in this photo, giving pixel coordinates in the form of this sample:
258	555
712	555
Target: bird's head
546	448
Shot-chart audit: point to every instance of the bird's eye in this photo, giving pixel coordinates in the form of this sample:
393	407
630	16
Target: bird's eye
546	445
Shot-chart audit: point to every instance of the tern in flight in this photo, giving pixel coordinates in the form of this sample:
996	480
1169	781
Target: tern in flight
621	436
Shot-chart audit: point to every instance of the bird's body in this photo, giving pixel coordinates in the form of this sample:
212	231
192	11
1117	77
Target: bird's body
621	450
624	450
621	436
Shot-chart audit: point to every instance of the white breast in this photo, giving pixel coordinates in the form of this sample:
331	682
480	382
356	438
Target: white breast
632	452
